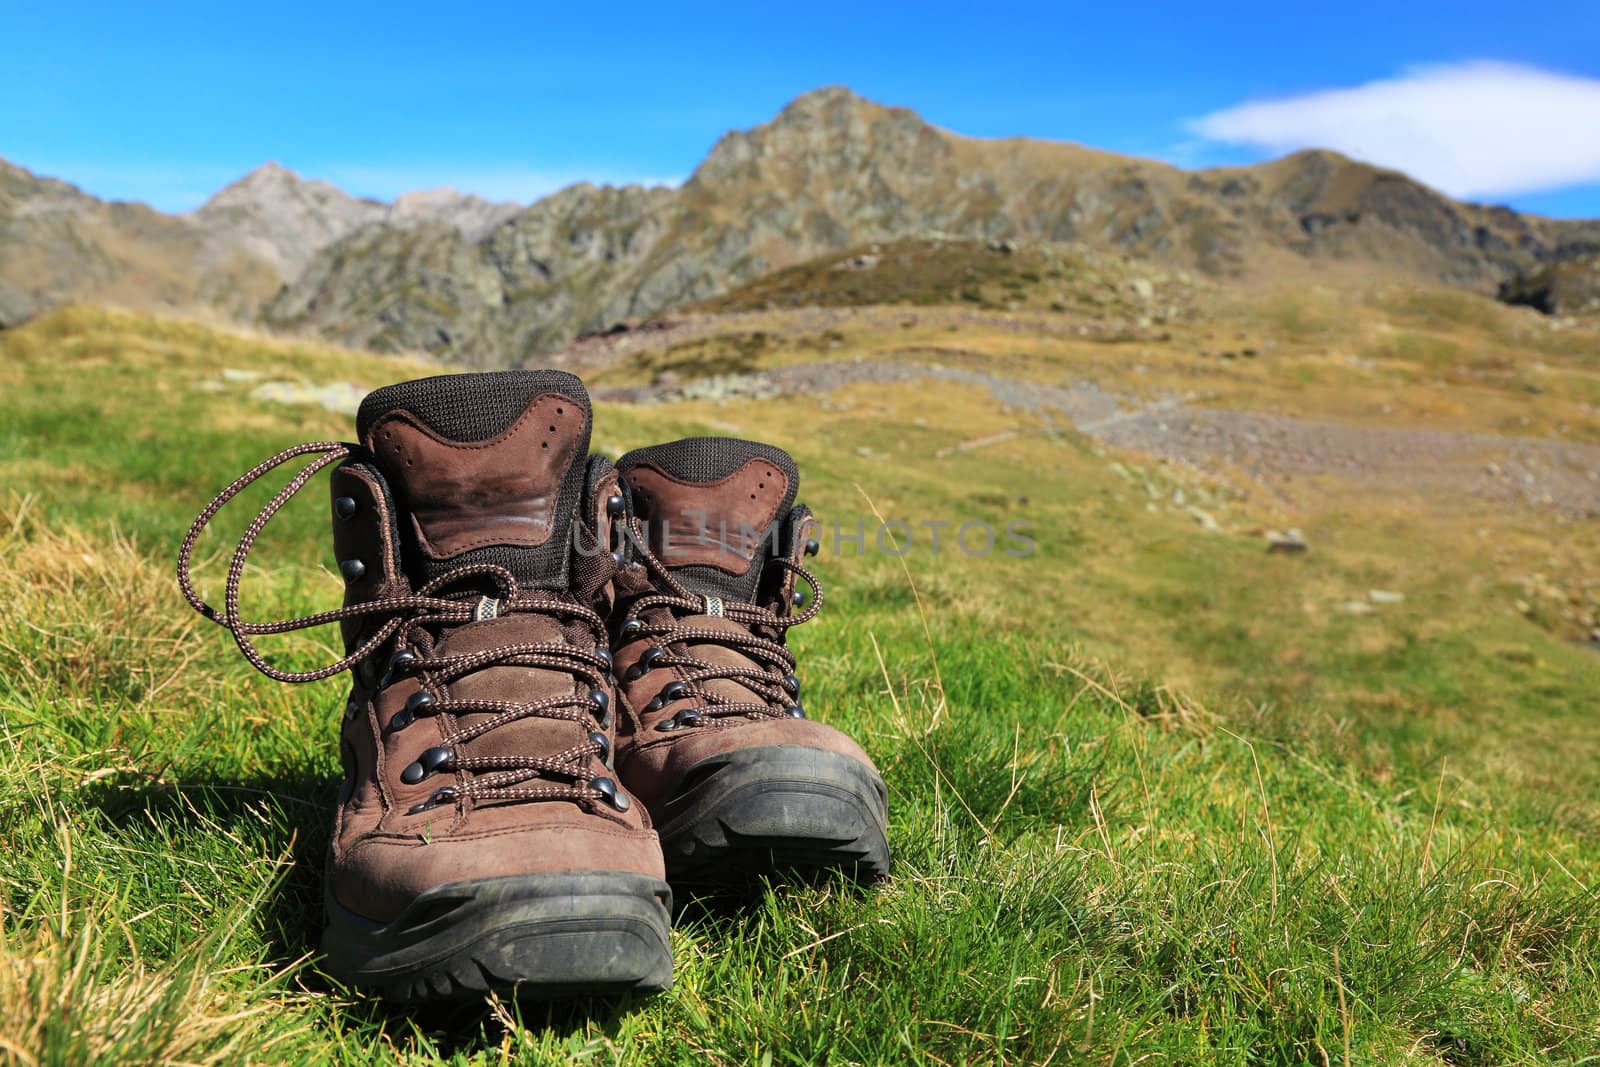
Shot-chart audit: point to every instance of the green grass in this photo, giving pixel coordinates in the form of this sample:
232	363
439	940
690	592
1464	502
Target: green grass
1089	865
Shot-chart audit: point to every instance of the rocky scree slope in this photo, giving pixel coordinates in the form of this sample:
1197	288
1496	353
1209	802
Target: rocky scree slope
1570	286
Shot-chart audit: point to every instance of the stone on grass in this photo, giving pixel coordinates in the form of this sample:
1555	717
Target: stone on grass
1288	541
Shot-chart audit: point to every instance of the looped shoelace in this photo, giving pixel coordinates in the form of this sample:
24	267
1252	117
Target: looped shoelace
773	679
410	617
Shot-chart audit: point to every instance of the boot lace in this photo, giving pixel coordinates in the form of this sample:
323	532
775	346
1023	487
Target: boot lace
658	615
414	622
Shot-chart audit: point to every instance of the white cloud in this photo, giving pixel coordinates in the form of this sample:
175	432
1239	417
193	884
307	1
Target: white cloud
1474	129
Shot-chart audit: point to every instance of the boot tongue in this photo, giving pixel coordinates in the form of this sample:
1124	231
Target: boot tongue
712	508
488	468
534	735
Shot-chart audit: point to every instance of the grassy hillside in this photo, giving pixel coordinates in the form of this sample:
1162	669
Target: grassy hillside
1323	344
1155	796
992	275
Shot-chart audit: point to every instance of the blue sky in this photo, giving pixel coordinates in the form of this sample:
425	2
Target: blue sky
165	103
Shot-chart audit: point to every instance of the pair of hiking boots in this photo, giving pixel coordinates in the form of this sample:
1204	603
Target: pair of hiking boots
570	689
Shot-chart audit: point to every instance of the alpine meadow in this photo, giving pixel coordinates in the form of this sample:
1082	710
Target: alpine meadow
1276	744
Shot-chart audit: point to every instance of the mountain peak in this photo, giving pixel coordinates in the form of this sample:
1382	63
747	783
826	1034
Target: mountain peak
836	104
270	171
273	180
826	96
472	215
825	134
438	196
281	217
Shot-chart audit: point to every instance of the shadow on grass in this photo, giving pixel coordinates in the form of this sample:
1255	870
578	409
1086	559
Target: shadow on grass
459	1030
287	815
722	908
290	815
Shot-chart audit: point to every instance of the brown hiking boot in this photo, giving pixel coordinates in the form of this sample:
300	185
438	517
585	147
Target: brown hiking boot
481	840
712	735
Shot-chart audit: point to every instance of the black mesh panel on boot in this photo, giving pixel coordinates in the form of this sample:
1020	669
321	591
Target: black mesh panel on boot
709	460
478	407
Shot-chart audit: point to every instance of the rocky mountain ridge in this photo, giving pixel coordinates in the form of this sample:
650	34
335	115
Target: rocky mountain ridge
488	284
59	244
833	171
274	214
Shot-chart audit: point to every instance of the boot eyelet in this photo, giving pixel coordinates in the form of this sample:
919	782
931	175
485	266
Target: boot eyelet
419	700
795	711
666	726
674	691
615	505
426	764
645	662
400	663
440	796
631	628
605	657
399	721
345	507
799	598
813	546
598	738
614	796
352	569
687	717
352	710
792	684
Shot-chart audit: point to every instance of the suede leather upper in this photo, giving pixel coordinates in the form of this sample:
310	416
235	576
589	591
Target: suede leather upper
741	487
419	501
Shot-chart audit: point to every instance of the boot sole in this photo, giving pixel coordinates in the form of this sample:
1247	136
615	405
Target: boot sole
761	810
540	936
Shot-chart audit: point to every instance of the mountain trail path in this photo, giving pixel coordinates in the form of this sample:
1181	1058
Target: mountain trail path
1269	449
